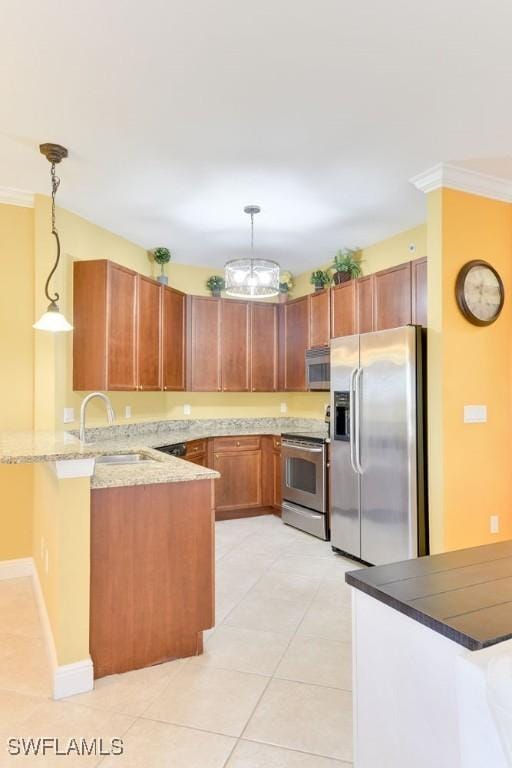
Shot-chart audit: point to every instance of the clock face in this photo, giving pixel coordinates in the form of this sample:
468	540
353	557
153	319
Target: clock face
480	292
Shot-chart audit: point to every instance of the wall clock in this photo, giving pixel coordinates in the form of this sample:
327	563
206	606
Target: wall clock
479	292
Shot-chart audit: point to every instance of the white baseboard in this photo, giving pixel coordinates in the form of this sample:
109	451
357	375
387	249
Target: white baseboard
68	679
16	569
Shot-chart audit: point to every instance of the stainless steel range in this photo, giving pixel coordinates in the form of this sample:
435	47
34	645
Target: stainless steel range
304	484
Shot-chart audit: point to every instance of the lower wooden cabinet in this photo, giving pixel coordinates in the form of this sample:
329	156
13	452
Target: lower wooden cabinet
239	486
197	452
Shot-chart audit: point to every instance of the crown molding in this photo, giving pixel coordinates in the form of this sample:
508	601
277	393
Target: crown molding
463	180
10	196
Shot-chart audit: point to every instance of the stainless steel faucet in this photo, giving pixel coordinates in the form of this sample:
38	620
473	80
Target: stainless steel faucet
110	411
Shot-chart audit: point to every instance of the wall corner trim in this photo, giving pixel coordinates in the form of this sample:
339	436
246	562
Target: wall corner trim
463	180
11	196
68	679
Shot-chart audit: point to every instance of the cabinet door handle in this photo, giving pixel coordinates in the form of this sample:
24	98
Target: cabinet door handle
238	442
165	389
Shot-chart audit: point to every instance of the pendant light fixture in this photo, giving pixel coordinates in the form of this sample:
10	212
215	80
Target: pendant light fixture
53	320
252	278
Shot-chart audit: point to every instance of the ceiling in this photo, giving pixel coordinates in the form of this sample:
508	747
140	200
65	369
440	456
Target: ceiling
177	113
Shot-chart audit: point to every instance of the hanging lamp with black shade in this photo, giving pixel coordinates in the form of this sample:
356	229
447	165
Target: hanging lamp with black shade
254	277
53	320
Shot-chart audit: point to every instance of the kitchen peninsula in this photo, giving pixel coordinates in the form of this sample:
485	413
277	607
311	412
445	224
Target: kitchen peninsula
433	655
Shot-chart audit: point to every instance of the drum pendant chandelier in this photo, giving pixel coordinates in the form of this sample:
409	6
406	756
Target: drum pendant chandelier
252	278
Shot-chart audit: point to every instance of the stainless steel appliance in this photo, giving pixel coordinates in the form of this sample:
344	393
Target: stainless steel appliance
377	486
318	367
176	449
304	491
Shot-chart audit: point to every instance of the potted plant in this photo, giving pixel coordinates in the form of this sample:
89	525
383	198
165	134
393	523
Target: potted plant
162	256
320	278
346	265
285	285
216	284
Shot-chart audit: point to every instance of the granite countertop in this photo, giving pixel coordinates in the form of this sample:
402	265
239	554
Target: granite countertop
464	595
39	447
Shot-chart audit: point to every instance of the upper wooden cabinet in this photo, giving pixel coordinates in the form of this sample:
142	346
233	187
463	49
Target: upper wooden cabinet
204	344
392	304
419	291
264	347
343	309
149	334
173	339
295	342
235	345
364	304
319	318
105	326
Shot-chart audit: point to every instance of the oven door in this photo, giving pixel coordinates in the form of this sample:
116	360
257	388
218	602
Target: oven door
304	474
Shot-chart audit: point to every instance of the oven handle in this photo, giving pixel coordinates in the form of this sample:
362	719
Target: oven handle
301	448
351	417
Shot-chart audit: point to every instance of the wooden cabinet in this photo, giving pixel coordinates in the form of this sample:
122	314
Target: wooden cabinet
295	342
203	344
151	587
105	326
173	339
392	297
419	291
264	347
343	309
235	345
149	327
319	318
239	461
197	452
364	304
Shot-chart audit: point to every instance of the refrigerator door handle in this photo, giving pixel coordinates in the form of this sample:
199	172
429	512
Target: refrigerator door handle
352	427
357	436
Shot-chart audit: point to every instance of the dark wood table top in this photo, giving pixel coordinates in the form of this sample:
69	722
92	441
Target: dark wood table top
464	595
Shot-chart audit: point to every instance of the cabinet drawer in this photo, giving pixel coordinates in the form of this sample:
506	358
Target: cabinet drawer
247	443
195	447
276	443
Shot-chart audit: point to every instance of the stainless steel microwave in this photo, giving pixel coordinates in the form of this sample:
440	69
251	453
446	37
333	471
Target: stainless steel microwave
318	368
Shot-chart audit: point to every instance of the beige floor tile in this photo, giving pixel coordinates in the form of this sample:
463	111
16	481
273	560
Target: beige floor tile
129	693
310	545
329	621
65	721
338	567
149	744
287	586
318	661
303	565
224	604
24	665
217	700
267	614
236	580
251	754
334	592
17	707
304	717
246	650
18	611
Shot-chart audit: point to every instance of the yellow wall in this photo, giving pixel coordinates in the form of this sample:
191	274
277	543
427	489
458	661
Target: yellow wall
386	253
16	373
470	477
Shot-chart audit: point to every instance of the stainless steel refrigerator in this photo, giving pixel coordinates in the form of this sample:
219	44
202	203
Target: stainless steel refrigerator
377	477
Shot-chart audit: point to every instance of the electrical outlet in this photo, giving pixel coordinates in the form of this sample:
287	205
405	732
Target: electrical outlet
46	560
283	408
127	411
69	415
475	414
494	523
187	410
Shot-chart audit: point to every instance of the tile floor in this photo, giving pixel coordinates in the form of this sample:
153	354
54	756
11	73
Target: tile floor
272	690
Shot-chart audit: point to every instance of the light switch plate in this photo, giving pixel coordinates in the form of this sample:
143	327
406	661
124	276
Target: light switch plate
69	415
494	524
187	410
475	414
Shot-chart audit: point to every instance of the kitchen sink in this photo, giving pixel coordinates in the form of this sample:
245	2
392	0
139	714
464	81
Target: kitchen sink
124	458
